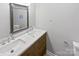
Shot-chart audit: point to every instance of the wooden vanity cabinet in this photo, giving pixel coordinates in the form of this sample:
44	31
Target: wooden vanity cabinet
38	48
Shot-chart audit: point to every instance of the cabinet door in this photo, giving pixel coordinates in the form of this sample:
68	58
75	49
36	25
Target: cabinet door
38	48
29	51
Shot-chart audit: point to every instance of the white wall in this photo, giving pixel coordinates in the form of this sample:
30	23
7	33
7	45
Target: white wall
32	15
61	21
4	20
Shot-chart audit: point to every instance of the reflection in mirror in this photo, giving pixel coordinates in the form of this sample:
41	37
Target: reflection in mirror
19	17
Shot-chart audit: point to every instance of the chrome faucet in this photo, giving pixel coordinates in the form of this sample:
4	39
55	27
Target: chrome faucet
7	40
11	36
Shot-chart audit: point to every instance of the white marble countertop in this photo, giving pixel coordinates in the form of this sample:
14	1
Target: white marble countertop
21	43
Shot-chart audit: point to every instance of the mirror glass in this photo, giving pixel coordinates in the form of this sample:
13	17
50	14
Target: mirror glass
19	17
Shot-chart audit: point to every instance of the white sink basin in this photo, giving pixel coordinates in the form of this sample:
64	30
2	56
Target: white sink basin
12	48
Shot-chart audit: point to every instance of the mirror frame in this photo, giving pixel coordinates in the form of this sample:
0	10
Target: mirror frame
11	17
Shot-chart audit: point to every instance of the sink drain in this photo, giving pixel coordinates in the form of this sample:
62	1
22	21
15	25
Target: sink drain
11	51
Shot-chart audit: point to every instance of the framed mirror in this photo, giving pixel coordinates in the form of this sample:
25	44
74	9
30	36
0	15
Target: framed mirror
18	17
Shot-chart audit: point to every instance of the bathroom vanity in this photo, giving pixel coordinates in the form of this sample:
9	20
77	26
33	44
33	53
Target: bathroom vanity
24	40
28	43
